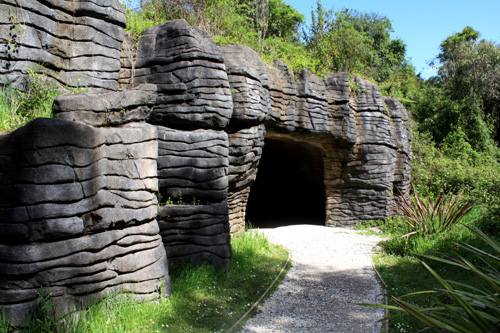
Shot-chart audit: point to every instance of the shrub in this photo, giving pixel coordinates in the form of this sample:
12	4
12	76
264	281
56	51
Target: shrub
433	216
455	165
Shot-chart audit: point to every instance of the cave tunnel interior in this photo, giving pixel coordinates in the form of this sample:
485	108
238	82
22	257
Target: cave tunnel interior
289	188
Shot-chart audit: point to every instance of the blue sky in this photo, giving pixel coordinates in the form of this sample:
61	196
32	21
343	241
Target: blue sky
423	24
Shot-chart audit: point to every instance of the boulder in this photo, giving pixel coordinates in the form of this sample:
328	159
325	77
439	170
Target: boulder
249	86
245	151
107	109
193	183
78	209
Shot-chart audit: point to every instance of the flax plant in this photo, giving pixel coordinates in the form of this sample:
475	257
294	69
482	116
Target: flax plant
432	216
460	307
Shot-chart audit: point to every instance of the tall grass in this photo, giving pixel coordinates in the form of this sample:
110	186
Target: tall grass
202	299
400	262
18	107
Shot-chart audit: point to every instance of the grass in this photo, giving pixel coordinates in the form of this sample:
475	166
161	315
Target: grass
202	299
400	260
19	107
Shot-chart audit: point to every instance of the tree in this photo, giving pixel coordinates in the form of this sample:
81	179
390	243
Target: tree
358	43
468	83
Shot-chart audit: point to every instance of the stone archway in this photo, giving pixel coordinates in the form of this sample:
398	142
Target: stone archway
289	188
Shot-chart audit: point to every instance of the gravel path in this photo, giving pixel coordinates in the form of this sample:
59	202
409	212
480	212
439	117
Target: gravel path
331	272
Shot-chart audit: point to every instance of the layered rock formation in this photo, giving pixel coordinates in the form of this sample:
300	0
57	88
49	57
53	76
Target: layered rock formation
362	141
78	206
193	107
78	203
76	43
365	141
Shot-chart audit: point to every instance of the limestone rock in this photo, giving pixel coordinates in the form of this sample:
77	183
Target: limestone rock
78	43
365	139
283	91
188	69
341	121
312	103
78	208
404	140
197	233
245	151
192	172
249	85
108	109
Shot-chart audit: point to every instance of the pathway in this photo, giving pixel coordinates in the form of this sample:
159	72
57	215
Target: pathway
331	272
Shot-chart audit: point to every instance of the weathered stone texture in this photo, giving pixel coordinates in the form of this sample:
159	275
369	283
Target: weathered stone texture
107	109
78	43
188	69
365	138
404	142
312	103
249	86
78	208
192	172
245	151
197	233
283	92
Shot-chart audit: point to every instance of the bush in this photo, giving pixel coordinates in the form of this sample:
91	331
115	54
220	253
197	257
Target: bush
455	166
18	107
427	216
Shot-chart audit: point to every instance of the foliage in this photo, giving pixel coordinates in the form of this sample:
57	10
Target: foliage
18	107
455	165
461	307
431	216
358	43
466	92
202	300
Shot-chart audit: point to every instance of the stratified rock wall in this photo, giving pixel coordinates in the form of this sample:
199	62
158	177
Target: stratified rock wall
404	140
194	105
188	69
78	214
245	151
249	84
76	43
192	172
365	139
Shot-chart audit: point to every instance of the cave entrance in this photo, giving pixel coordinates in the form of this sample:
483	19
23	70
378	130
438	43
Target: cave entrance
289	188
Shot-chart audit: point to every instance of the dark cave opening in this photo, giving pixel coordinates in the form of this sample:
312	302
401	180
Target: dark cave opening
289	187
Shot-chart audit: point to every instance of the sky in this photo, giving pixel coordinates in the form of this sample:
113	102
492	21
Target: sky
423	24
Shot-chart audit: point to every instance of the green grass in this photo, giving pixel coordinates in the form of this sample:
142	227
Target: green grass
20	107
399	261
202	299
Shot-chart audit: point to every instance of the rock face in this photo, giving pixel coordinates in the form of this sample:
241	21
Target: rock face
78	215
76	43
107	109
360	141
192	172
188	69
193	106
365	140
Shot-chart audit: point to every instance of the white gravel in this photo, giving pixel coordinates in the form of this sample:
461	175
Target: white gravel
331	272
